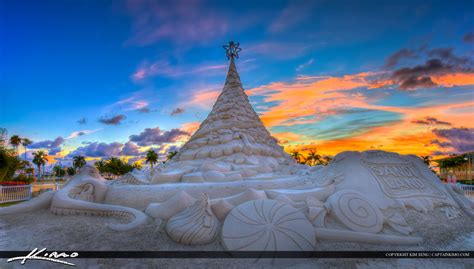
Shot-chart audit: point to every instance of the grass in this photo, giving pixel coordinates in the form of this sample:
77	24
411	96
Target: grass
10	203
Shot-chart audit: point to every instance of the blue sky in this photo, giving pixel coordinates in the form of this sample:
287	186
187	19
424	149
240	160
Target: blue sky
64	61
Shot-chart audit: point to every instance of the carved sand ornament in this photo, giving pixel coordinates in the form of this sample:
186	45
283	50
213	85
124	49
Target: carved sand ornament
267	225
176	204
353	210
196	225
398	223
316	211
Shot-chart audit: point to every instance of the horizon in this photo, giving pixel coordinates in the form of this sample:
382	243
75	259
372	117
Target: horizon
115	78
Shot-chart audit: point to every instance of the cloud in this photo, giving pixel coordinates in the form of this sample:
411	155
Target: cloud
131	103
468	38
81	133
130	149
447	55
404	53
455	140
54	151
166	69
177	111
191	127
47	144
293	14
304	65
439	63
203	98
418	76
96	149
430	121
279	50
176	21
156	136
114	120
413	82
144	110
299	101
82	121
454	79
309	108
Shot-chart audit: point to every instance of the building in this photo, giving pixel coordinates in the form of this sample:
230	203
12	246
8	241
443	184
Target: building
460	166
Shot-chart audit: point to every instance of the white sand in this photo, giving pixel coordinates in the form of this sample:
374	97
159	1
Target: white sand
74	233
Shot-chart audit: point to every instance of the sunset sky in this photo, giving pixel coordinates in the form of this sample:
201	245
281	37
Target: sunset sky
114	78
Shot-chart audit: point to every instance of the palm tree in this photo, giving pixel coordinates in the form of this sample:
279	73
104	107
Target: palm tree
78	161
151	158
170	155
313	157
426	160
39	158
100	165
326	159
70	171
58	171
26	142
296	155
15	141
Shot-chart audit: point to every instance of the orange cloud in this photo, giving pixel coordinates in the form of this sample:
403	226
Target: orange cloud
203	98
310	98
287	137
452	80
190	127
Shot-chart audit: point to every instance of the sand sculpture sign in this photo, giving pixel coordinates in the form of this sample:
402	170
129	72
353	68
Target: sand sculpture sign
402	180
232	182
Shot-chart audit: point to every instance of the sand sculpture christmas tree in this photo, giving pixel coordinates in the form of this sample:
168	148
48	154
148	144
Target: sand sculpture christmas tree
231	143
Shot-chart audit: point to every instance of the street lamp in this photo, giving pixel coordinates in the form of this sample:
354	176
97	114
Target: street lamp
468	173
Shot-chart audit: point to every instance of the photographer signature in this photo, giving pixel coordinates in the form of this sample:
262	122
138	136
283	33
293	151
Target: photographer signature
36	254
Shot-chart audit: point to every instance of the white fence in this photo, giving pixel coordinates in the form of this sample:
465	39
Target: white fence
15	193
24	192
468	191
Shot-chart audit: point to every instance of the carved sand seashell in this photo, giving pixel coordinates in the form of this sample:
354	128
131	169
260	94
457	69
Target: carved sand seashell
267	225
173	206
197	225
353	210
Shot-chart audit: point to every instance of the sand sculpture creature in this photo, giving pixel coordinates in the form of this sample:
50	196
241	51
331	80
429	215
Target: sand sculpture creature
232	182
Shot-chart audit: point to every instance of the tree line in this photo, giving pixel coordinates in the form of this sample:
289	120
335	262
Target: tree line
312	158
13	168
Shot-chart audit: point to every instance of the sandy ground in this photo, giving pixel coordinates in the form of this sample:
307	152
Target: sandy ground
74	233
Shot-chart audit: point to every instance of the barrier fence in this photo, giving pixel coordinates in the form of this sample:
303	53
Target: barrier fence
468	191
24	192
15	193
